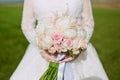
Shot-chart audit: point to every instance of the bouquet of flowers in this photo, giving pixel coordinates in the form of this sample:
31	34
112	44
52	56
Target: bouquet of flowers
62	36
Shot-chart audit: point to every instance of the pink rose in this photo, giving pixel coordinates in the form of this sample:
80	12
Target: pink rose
57	36
67	42
57	46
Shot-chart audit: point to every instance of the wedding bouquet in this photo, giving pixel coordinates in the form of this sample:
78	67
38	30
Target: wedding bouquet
61	37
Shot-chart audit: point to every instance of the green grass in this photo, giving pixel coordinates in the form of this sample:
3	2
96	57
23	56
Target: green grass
106	40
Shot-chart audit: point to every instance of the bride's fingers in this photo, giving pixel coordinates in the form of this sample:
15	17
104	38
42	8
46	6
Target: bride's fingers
48	57
67	59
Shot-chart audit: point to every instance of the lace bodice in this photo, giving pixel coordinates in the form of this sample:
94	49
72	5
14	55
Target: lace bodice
46	11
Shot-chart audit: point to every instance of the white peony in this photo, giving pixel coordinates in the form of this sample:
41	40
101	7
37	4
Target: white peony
50	31
63	22
47	42
70	33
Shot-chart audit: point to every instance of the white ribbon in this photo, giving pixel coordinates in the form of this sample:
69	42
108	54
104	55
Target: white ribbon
61	70
65	70
68	73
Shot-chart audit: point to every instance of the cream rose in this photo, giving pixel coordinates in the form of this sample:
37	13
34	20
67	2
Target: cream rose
67	43
50	32
82	44
70	33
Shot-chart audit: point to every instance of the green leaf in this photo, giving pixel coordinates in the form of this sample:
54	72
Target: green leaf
71	53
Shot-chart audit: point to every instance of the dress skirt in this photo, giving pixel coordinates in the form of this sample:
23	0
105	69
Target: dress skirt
86	67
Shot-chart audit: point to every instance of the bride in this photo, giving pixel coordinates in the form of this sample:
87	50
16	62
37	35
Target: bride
35	62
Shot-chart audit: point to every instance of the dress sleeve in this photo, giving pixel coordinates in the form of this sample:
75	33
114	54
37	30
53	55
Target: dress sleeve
28	22
87	19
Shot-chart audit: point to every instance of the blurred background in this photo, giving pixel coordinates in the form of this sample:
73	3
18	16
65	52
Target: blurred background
11	1
106	37
92	0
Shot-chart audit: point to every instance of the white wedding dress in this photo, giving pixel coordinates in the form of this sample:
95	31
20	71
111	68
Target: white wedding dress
86	67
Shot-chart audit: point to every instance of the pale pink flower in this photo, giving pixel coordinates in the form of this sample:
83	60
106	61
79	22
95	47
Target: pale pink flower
57	45
67	42
57	36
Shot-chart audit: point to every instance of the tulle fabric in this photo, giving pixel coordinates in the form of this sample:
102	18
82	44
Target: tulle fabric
86	67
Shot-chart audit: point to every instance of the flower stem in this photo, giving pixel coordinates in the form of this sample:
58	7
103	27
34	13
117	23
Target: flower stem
51	72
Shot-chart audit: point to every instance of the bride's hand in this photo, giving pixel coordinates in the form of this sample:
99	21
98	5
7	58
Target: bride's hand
47	56
69	58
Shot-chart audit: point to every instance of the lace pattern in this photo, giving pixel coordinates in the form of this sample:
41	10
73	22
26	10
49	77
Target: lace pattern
28	21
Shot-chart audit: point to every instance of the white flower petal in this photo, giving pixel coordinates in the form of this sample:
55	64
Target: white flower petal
70	33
